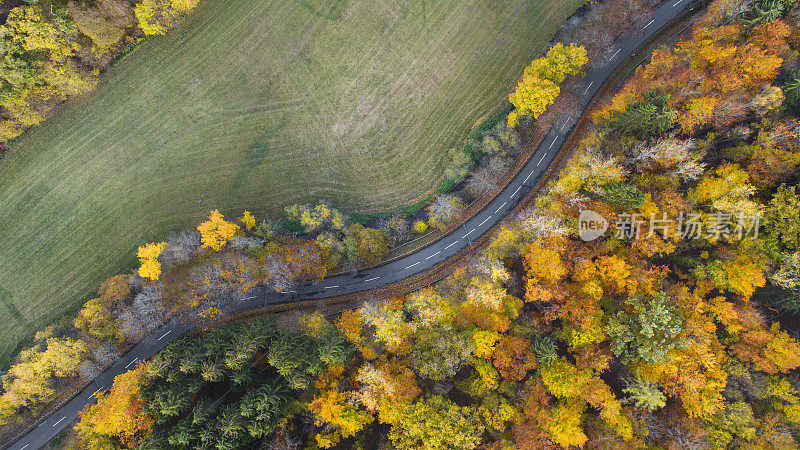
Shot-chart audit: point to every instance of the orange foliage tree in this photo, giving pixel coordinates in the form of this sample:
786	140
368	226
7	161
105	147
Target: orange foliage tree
117	414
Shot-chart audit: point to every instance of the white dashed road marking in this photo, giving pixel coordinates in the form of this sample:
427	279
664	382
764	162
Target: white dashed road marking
588	87
540	161
616	53
469	232
553	143
649	23
59	420
129	364
331	287
371	279
565	123
484	221
529	175
677	3
408	267
165	335
24	447
452	244
501	206
515	192
249	298
429	257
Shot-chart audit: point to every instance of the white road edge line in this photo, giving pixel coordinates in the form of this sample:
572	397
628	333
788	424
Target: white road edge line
649	23
553	143
452	244
164	335
59	420
540	161
371	279
331	287
484	221
408	267
129	364
588	87
429	257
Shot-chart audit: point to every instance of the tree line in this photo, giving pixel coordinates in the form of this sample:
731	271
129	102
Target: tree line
50	55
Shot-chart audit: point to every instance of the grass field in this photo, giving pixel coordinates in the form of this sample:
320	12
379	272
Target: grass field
251	104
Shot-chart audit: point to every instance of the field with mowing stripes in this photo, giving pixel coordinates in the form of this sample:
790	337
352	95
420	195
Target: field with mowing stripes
251	104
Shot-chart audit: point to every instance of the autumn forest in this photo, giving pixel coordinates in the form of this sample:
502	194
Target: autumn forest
675	326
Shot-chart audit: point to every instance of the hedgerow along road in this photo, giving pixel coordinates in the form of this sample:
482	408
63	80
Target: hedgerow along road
383	275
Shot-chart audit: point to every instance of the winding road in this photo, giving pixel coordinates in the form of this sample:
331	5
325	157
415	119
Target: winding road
388	273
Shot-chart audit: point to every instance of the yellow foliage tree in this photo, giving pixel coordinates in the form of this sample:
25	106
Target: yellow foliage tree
97	320
216	231
728	190
332	409
496	412
743	276
531	98
28	382
565	425
156	16
539	85
248	220
484	342
148	256
698	113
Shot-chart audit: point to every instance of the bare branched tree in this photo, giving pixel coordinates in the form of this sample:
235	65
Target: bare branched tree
105	353
180	248
147	305
445	208
133	328
227	273
276	273
538	225
89	370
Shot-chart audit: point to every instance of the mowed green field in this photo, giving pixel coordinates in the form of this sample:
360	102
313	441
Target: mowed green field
251	104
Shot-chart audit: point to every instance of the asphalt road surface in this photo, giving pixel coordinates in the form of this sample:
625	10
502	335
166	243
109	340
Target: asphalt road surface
386	274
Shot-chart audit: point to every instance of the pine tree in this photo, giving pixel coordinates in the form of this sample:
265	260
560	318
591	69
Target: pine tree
791	88
766	11
643	394
649	118
333	348
648	330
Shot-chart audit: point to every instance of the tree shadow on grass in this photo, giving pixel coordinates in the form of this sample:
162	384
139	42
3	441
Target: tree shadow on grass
6	299
255	155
